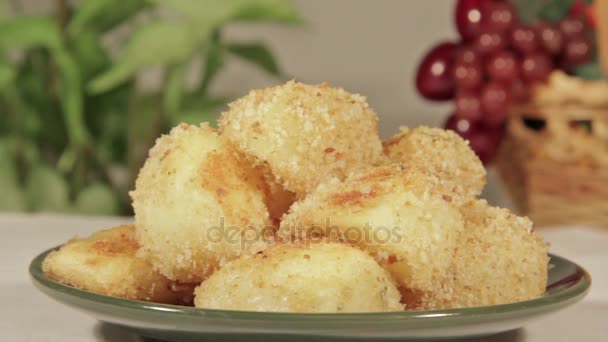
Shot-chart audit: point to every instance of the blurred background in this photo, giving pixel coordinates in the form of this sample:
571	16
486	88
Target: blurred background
365	48
86	86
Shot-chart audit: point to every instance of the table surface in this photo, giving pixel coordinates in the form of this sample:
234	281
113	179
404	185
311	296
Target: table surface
28	315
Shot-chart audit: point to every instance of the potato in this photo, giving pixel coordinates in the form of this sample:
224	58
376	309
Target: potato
304	134
443	153
301	278
106	263
396	214
198	204
500	259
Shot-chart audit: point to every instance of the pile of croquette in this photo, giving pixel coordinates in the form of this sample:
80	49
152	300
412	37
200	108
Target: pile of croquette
294	204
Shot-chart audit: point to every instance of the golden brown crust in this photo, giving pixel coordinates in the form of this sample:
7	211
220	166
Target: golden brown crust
500	258
302	278
305	134
395	213
443	153
198	203
359	230
106	263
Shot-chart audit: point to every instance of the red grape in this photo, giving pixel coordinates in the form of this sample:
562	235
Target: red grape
524	39
488	42
467	75
498	16
577	8
519	91
536	67
459	125
483	140
503	66
434	76
572	26
468	105
495	101
550	37
468	18
466	54
578	50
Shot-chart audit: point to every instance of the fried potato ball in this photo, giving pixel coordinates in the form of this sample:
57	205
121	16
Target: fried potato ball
106	263
299	278
500	259
397	215
442	152
304	134
198	204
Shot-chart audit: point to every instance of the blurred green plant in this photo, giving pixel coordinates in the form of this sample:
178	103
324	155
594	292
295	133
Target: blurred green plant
74	129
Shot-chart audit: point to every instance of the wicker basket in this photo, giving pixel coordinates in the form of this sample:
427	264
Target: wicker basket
554	157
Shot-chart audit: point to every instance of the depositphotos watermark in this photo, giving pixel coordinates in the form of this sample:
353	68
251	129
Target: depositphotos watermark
247	236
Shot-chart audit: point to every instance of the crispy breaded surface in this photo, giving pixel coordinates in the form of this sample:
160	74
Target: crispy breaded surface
197	204
106	263
442	152
397	215
298	278
500	259
304	133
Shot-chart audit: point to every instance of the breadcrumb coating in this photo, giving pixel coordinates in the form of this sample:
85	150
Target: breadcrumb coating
198	204
106	263
442	152
500	259
304	134
396	214
296	206
301	278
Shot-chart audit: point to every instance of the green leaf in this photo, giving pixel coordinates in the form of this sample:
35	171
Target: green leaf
97	199
195	118
32	83
528	10
555	10
208	14
153	44
282	11
195	102
33	31
7	73
8	170
174	89
13	198
22	117
217	12
145	124
199	109
71	98
590	71
30	31
257	54
214	62
46	190
88	53
102	15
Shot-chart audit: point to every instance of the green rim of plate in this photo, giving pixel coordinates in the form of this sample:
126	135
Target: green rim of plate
573	286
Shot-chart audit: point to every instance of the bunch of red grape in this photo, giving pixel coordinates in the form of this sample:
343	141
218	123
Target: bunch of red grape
493	65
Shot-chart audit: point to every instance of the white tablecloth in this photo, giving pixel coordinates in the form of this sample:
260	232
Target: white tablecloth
27	315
